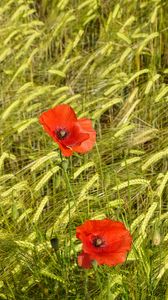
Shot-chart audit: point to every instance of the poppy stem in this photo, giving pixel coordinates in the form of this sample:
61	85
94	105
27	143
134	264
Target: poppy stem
102	176
86	284
64	168
70	195
69	203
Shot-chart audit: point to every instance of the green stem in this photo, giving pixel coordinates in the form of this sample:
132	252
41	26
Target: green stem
69	190
71	199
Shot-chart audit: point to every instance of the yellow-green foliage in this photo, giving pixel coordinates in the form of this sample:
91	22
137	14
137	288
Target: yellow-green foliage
108	60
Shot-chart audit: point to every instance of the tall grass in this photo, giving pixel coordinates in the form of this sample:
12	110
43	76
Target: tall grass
109	61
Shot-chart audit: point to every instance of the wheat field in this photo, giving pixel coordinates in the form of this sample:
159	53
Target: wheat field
109	61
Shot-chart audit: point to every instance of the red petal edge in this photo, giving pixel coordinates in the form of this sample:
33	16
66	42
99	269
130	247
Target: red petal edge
84	260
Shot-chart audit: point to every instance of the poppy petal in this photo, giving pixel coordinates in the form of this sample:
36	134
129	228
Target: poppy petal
111	259
87	145
84	260
85	126
60	116
75	137
65	151
90	225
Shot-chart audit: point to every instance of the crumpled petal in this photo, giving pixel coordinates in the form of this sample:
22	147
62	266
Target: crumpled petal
84	260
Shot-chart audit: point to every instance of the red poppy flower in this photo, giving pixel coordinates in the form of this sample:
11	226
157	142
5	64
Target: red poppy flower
71	134
105	241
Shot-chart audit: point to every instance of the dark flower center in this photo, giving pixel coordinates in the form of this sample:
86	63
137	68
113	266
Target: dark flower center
61	133
97	242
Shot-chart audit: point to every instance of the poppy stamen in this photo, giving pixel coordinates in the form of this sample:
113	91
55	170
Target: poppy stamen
98	242
61	133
